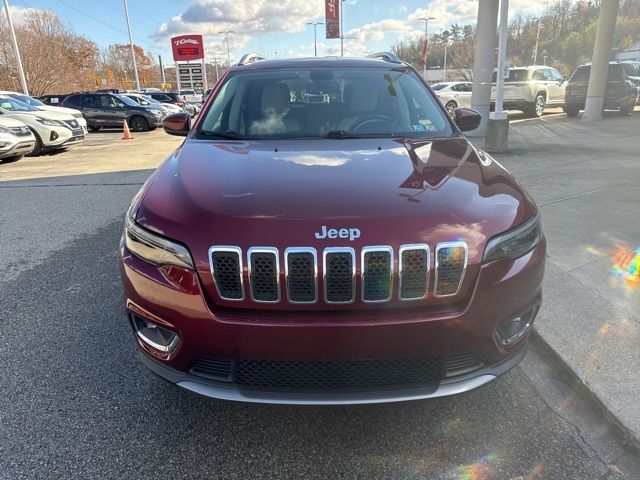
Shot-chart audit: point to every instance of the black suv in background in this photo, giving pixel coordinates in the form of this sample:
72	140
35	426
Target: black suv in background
110	110
620	94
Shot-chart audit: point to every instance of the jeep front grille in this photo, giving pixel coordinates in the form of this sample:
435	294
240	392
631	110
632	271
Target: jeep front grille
301	266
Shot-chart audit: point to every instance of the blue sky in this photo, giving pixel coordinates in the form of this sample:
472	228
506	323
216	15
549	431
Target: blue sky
264	26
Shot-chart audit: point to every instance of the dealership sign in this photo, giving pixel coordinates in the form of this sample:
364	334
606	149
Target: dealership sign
187	47
332	18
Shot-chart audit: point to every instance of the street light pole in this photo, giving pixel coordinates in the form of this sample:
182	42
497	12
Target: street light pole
342	28
133	52
215	60
426	43
16	50
444	72
315	36
226	34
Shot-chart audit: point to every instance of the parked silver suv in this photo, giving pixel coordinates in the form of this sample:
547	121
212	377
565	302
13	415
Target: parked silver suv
531	89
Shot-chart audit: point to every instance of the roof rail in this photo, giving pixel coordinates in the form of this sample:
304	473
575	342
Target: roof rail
248	58
386	56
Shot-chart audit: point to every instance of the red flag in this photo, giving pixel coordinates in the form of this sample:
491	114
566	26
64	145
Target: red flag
332	18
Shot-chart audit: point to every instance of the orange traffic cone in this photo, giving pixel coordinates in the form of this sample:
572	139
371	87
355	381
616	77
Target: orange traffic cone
127	133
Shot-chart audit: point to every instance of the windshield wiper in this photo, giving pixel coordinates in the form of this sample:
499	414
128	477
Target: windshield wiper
340	134
229	134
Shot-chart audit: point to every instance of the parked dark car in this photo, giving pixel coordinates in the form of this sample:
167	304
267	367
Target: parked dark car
174	98
53	100
357	250
632	69
110	110
620	94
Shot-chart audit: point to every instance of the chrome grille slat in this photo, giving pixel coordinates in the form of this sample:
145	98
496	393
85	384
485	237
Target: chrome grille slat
301	271
377	273
226	268
451	264
264	274
414	265
339	270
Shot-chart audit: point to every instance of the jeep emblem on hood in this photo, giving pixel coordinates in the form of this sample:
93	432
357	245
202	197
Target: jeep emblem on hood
350	233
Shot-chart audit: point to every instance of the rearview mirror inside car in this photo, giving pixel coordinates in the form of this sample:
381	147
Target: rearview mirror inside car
467	119
177	124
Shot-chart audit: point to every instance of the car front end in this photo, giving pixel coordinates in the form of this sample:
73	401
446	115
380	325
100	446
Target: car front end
16	139
346	268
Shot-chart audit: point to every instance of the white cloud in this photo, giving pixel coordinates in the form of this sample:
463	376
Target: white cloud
18	13
248	18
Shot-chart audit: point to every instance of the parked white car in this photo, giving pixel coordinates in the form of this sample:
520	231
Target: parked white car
16	140
453	94
53	130
531	89
34	102
190	96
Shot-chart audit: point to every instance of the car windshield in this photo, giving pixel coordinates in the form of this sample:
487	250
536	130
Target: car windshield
13	105
438	86
320	102
187	92
126	100
34	102
140	100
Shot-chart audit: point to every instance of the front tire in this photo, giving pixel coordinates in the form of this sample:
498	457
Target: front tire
95	129
451	107
627	110
139	124
38	148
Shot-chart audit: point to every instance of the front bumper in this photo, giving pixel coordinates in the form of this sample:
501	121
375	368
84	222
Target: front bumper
220	391
174	299
61	137
21	147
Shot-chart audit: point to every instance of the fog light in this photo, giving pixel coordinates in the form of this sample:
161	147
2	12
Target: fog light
154	335
54	135
513	330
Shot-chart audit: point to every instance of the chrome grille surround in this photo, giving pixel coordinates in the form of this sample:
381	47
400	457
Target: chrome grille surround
463	267
326	275
216	280
405	276
365	276
259	283
291	273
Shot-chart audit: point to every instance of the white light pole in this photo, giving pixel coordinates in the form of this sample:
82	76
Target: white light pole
226	36
444	69
342	37
426	43
133	52
315	36
215	60
499	113
16	50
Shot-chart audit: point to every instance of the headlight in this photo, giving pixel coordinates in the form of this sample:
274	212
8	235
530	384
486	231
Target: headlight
4	130
514	243
151	247
51	123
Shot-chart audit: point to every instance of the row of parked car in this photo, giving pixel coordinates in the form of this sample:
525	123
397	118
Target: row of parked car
531	89
31	126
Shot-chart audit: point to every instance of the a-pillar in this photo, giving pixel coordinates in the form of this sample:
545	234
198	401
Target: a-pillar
600	60
483	62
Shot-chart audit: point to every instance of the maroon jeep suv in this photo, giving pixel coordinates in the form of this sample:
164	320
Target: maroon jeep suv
325	234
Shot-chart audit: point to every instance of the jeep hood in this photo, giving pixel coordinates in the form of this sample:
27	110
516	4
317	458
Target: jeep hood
279	193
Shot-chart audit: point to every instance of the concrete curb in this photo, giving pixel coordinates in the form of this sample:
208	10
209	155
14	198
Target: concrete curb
575	382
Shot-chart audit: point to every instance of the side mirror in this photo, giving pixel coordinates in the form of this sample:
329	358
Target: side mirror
466	119
177	124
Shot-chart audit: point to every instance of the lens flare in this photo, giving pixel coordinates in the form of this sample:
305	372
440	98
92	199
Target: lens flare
626	267
479	470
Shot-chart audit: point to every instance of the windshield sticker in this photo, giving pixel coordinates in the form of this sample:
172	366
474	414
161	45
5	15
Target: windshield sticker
419	127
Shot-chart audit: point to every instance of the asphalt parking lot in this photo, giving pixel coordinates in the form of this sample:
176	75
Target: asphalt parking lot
77	403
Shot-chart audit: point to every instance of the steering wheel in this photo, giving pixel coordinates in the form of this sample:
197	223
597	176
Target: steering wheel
358	124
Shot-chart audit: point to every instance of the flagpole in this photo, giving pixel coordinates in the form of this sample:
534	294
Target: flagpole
535	49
